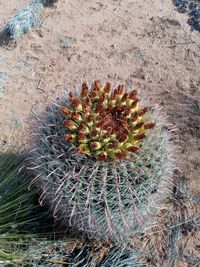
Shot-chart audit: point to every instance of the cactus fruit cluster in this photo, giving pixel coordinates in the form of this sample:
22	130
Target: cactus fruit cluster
103	160
103	124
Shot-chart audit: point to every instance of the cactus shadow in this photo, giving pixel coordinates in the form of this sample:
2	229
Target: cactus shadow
6	40
48	3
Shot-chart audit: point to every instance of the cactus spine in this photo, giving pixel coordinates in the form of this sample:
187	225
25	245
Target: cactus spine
103	161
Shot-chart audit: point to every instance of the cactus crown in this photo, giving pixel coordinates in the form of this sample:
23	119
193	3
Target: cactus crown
105	124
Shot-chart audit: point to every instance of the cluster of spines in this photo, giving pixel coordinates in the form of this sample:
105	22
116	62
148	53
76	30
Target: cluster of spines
105	124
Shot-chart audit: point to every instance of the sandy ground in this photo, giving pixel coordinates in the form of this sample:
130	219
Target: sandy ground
143	44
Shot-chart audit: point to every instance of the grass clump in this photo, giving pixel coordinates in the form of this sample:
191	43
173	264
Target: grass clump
21	217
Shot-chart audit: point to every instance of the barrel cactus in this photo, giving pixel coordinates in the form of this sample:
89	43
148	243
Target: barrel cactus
103	161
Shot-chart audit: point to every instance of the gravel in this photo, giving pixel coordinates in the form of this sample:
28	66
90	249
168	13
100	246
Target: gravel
192	8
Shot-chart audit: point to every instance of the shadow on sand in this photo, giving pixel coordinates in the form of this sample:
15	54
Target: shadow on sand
6	40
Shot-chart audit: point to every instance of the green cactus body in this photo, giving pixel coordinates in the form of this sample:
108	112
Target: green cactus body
112	188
